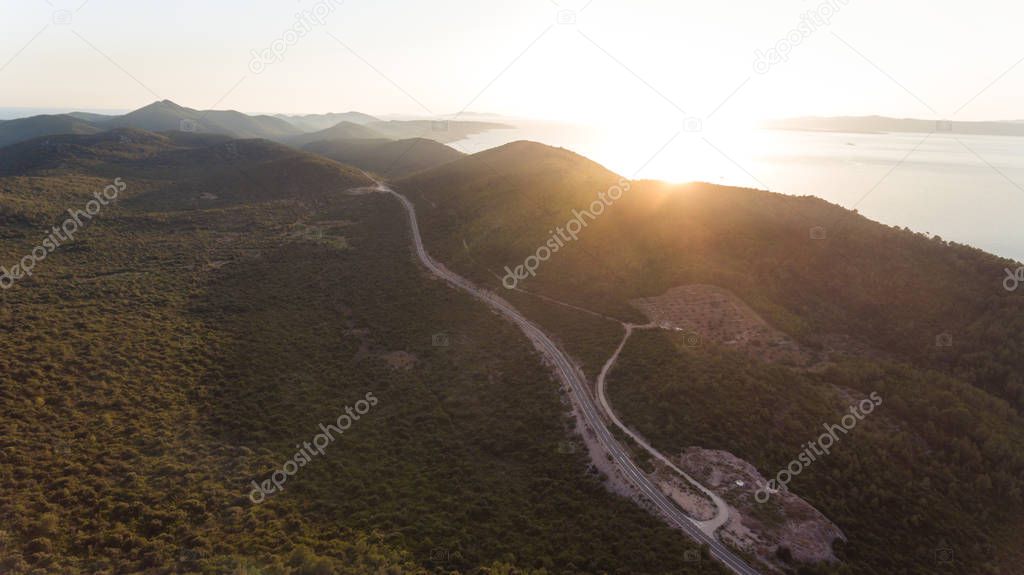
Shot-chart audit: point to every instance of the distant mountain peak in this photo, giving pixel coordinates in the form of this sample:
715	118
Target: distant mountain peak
160	105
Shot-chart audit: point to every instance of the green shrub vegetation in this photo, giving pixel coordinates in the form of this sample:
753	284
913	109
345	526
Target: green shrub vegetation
940	468
179	350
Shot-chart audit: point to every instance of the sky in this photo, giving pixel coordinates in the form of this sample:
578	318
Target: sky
596	61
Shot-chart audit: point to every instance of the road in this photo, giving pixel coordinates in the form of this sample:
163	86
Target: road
710	526
577	384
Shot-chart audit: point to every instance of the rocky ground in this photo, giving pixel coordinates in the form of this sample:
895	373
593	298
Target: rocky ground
784	525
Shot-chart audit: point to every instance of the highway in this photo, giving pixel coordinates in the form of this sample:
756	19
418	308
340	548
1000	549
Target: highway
577	385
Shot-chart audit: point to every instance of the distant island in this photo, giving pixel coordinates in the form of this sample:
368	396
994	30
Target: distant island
882	124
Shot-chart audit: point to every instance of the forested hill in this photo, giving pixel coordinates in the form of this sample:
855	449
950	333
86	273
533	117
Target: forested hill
234	296
934	483
897	289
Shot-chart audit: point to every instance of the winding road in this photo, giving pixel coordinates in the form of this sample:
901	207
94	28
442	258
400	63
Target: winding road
574	380
722	515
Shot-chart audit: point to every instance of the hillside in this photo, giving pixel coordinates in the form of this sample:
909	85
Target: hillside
81	151
385	157
892	287
340	131
13	131
181	347
90	116
239	172
441	131
163	116
874	305
317	122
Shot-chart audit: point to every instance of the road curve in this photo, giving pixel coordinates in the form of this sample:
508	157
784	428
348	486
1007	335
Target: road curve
722	515
572	377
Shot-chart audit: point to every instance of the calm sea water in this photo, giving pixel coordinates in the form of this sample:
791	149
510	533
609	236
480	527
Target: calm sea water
968	189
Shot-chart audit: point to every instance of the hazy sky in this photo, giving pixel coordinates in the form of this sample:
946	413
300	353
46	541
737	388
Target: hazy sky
621	61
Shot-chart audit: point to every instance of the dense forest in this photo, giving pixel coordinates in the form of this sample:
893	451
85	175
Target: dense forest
897	290
937	466
207	322
240	293
924	322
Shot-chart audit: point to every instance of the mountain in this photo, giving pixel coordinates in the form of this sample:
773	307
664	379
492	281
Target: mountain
166	116
443	131
21	129
386	157
317	122
439	131
881	124
81	152
240	172
758	243
160	116
341	131
857	307
90	116
198	169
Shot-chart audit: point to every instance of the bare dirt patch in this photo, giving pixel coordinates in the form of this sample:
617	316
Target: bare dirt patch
696	505
785	523
714	314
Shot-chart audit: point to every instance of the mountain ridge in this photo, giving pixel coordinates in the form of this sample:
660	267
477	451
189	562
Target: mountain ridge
166	115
